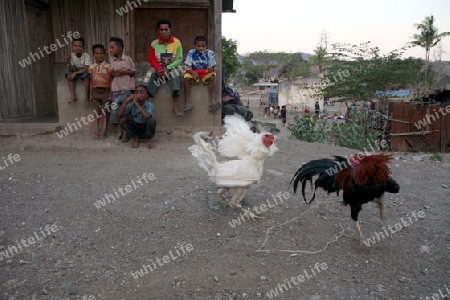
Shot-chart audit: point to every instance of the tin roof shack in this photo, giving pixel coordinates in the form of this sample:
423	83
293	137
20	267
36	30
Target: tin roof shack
37	87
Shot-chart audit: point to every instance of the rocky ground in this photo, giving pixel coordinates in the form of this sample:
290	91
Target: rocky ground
164	236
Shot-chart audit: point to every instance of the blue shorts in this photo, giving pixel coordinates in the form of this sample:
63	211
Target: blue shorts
79	76
119	97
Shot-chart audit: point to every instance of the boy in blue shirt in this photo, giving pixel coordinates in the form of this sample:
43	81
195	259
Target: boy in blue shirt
200	63
138	117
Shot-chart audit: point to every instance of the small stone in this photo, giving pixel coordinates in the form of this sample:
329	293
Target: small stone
380	288
402	279
426	206
73	290
23	262
233	272
259	295
218	234
216	279
424	249
263	277
44	291
445	186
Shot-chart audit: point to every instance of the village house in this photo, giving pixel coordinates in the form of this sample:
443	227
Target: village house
36	35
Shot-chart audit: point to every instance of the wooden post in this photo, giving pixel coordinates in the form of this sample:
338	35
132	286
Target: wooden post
217	33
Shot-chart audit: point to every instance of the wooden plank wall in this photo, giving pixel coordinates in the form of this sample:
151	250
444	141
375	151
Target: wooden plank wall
15	83
408	114
95	20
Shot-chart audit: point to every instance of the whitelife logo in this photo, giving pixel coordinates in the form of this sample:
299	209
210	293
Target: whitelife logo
109	198
429	118
378	236
13	250
179	250
284	287
261	208
35	56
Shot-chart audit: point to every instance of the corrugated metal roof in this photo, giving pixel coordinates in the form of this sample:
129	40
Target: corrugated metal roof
265	84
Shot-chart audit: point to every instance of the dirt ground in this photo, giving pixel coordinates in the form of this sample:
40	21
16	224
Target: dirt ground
168	220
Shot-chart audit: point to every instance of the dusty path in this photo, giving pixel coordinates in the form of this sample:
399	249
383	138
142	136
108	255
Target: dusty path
169	223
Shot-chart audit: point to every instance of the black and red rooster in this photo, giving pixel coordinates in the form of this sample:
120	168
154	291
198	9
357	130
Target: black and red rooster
361	178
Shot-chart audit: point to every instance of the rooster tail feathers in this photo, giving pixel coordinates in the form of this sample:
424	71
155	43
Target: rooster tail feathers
325	168
203	153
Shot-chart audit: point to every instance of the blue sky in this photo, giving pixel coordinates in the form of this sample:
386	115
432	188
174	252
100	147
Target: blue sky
292	26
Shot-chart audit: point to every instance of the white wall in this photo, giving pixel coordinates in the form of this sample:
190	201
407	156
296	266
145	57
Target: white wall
300	92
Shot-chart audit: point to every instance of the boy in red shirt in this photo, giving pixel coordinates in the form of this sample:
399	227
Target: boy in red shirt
100	90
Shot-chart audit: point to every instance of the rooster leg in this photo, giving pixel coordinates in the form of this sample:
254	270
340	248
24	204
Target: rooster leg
355	208
361	236
238	195
221	191
380	202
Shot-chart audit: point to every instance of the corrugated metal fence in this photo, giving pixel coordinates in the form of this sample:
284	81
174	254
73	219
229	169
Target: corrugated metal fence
416	127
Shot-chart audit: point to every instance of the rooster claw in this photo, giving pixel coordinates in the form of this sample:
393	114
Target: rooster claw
225	204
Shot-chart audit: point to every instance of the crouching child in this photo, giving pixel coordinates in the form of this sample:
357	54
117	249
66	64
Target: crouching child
137	118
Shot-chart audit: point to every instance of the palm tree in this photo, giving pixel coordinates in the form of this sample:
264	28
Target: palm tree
428	36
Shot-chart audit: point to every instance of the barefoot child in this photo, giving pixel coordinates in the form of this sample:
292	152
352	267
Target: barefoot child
78	63
138	118
123	83
200	63
101	80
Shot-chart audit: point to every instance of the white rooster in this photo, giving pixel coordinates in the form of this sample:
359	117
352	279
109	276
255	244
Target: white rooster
247	150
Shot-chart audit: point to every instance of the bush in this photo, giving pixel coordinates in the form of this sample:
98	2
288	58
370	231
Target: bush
309	129
436	156
350	134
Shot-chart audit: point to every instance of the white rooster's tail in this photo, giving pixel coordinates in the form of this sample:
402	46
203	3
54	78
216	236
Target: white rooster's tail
203	153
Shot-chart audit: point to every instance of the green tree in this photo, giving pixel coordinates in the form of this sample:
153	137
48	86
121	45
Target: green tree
359	71
320	57
264	64
260	64
230	56
295	66
428	35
